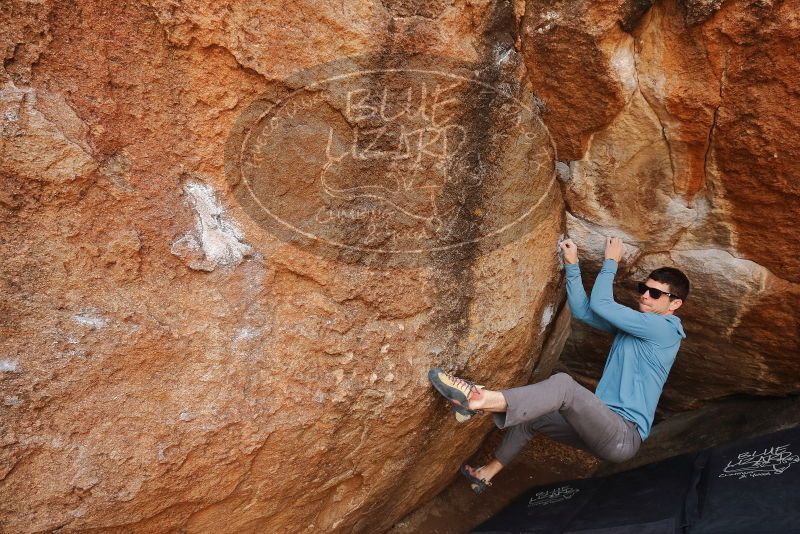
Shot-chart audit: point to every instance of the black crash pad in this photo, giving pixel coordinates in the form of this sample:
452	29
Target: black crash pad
748	487
543	510
752	487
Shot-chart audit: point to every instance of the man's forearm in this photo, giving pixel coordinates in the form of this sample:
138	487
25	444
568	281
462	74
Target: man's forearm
579	303
603	290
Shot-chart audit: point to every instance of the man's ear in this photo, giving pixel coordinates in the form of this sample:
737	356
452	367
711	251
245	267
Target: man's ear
675	304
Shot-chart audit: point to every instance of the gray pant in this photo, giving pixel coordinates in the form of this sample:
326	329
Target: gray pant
567	412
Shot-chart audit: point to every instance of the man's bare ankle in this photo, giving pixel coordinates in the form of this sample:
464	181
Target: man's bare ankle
491	401
477	404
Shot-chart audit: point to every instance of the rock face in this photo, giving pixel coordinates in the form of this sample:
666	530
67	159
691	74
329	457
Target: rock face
170	362
676	131
234	238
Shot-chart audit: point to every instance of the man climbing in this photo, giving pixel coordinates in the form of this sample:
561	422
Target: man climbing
612	422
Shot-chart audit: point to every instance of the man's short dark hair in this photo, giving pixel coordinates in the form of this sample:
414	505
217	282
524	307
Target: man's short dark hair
677	281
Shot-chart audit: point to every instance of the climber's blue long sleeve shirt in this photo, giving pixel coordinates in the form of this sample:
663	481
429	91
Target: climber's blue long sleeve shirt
644	348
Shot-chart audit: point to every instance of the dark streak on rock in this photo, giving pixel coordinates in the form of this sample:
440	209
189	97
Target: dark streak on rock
697	11
429	9
455	285
632	11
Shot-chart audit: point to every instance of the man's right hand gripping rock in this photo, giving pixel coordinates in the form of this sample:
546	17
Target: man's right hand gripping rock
570	250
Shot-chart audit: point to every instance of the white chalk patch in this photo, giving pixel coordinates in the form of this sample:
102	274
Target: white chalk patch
80	511
161	456
245	333
134	327
547	316
682	215
502	54
12	401
187	416
624	63
217	240
563	171
7	366
91	320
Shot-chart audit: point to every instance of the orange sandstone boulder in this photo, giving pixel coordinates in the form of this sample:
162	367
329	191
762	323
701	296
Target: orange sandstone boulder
170	360
694	166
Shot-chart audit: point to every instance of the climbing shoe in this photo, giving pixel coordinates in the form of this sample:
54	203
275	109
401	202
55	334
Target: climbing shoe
463	414
478	485
454	389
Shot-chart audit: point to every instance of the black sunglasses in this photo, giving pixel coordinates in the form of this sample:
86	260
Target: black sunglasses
654	292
